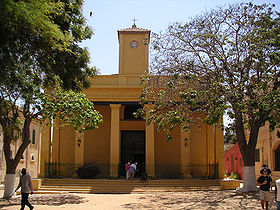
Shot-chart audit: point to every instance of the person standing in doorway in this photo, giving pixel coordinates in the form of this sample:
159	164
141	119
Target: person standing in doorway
265	183
127	167
25	183
132	170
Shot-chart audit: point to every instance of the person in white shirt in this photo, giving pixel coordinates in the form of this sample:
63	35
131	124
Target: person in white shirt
25	183
132	170
277	193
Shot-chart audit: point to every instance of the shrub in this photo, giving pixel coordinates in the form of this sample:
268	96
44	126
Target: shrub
88	171
234	176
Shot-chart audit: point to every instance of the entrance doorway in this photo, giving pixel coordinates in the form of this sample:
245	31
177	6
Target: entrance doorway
277	159
133	148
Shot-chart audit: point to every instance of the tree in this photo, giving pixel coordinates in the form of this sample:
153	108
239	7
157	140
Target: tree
43	71
223	61
229	137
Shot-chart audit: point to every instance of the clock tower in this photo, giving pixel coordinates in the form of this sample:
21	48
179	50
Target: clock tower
133	50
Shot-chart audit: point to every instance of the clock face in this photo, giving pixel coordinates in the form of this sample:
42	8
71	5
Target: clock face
133	44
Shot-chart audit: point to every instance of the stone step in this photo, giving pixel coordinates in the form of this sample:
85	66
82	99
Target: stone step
127	182
124	190
125	186
129	185
122	187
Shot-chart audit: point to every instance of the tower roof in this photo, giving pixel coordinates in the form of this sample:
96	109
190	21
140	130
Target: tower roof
133	29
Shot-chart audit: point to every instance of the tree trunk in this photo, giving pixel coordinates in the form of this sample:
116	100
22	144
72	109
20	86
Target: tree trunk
10	169
249	175
249	180
12	163
247	149
9	185
11	166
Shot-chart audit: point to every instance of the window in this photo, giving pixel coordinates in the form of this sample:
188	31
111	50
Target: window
33	136
129	110
232	163
277	159
257	155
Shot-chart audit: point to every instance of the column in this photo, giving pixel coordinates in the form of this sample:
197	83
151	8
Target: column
79	148
45	149
219	147
56	142
115	139
185	154
210	142
150	150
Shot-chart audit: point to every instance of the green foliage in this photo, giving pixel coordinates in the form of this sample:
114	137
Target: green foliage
71	108
48	49
40	52
230	134
224	60
234	176
88	171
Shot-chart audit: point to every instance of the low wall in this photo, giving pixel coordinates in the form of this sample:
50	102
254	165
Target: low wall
229	184
36	184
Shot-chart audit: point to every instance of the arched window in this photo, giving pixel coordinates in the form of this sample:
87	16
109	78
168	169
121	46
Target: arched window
257	155
33	136
277	159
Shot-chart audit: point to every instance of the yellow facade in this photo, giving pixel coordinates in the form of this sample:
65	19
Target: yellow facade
121	138
268	151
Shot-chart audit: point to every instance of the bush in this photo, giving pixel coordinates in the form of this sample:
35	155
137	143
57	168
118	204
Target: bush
234	176
88	171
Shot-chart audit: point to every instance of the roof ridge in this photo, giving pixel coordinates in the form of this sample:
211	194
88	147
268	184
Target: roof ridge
133	28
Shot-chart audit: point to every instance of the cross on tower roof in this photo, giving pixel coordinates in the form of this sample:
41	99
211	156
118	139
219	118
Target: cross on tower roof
134	25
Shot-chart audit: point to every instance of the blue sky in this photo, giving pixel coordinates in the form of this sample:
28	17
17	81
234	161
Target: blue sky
111	15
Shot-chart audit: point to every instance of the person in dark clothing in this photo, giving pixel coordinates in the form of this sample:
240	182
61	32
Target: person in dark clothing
25	183
265	166
265	183
144	176
277	193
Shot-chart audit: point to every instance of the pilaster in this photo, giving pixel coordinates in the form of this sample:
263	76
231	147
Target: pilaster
115	139
185	154
150	147
56	142
45	150
79	148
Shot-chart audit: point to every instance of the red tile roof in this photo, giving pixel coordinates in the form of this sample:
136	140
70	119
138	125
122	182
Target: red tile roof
134	29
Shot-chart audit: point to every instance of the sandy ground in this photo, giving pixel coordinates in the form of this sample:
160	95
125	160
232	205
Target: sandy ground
160	200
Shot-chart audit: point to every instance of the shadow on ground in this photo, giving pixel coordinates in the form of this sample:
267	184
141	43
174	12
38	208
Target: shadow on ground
51	200
198	200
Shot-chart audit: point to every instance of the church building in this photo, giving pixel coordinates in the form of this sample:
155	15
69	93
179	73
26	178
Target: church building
121	137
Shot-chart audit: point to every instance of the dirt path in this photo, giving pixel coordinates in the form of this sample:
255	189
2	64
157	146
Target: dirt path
160	200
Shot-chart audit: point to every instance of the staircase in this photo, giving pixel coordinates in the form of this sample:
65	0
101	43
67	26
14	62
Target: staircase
122	186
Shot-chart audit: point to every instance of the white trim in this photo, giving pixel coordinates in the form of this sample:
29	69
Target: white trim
249	180
9	185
